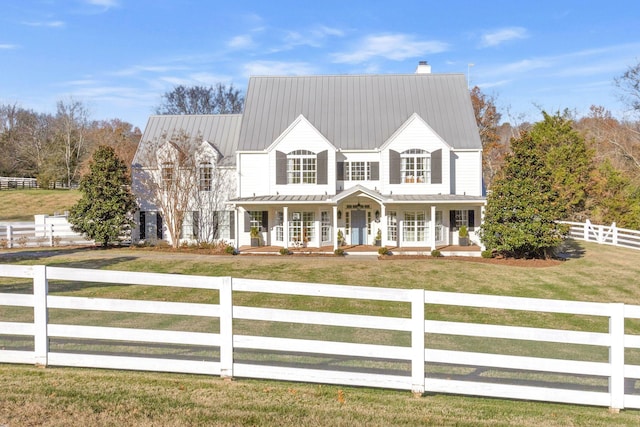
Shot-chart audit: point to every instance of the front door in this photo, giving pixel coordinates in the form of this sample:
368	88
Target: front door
358	227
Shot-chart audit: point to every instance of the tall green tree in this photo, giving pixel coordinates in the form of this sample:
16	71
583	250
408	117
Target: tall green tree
105	211
522	208
568	159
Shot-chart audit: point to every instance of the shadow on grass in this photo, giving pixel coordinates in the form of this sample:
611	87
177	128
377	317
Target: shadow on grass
571	249
25	254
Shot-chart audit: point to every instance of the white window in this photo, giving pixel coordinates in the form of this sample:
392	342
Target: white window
325	226
279	226
255	220
461	218
357	171
302	227
301	167
392	226
190	225
415	166
167	175
205	175
414	228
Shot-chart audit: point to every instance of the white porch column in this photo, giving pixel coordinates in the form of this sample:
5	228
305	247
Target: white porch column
334	229
482	213
383	223
237	226
432	228
316	226
400	224
285	226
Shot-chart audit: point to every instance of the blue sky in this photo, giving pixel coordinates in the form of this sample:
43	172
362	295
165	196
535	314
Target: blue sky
120	56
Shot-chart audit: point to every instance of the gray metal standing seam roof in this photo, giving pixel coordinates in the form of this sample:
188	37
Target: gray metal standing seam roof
221	130
358	112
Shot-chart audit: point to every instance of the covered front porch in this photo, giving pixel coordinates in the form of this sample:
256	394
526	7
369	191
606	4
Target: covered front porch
357	218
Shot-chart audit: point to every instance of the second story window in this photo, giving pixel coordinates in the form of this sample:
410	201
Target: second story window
205	178
358	171
301	167
415	166
167	175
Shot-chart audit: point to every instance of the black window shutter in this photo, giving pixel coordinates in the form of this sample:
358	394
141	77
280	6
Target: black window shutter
232	225
196	224
158	226
143	225
436	167
394	167
247	222
265	220
452	220
322	165
281	168
472	219
340	171
375	171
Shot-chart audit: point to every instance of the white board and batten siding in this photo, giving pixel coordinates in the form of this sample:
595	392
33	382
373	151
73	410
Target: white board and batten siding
467	167
417	354
415	133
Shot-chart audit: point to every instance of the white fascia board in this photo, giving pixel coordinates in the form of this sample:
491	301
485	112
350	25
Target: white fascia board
401	129
292	126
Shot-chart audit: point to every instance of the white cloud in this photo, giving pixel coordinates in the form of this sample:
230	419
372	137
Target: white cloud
241	42
8	46
277	68
107	4
396	47
497	37
48	24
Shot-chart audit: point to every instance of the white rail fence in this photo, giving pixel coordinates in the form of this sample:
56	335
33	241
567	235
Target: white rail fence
44	231
604	234
225	349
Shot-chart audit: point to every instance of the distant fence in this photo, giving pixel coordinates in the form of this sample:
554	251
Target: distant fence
45	231
16	183
568	373
604	234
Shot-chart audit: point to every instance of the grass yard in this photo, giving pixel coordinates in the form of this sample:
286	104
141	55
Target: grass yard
22	205
59	396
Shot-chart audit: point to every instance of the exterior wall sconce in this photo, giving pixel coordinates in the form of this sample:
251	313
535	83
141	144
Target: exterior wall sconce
339	214
377	216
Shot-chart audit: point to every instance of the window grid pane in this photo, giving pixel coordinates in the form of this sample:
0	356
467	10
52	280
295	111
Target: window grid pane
392	226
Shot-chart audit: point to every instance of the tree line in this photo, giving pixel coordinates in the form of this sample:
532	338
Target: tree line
591	163
56	148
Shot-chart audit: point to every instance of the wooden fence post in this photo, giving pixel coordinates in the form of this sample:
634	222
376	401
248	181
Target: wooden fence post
226	328
9	236
40	315
614	233
616	356
417	342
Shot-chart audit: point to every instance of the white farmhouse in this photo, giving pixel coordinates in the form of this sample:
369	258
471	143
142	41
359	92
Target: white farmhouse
357	156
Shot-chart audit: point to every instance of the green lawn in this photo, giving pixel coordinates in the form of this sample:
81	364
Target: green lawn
94	397
22	205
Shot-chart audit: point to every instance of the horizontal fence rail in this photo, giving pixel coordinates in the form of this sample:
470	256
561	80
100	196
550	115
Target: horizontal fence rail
402	339
30	235
18	183
604	234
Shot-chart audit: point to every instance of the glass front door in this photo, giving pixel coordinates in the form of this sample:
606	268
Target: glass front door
358	228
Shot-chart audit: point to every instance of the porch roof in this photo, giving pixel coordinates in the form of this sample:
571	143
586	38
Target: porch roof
336	199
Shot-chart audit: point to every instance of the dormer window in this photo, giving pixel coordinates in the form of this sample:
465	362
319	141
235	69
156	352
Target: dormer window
415	166
301	167
205	176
